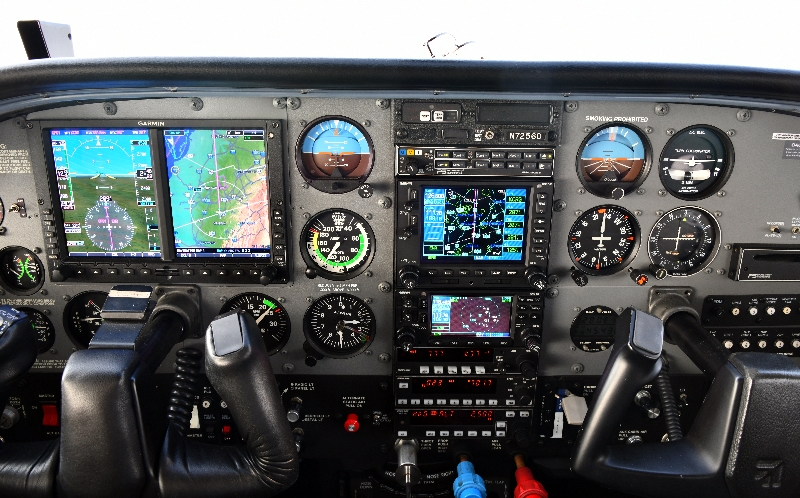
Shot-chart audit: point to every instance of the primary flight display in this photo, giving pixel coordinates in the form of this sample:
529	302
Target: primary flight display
106	192
219	192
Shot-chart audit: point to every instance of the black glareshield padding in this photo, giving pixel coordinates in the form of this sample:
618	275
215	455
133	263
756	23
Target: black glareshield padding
28	470
101	453
17	352
268	462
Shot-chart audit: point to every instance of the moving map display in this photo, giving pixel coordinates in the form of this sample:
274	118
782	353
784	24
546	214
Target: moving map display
474	224
219	192
479	316
106	192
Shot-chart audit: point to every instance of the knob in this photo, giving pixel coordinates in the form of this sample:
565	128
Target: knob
728	344
528	365
406	338
411	206
299	436
60	274
409	276
531	340
645	402
267	275
578	277
410	230
351	423
523	395
659	272
637	276
521	436
412	167
311	273
634	439
407	473
295	412
9	417
536	277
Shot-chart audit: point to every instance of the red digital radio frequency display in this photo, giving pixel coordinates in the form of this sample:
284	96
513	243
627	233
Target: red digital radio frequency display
452	417
453	385
472	355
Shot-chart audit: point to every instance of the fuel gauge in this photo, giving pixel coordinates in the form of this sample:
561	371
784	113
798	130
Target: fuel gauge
21	272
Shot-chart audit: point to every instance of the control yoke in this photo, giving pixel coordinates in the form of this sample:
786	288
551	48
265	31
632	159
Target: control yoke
753	400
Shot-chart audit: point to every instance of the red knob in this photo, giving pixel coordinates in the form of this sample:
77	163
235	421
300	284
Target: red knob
351	424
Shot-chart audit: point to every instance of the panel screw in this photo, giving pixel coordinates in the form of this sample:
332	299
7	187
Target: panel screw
662	109
576	309
620	309
576	368
43	292
65	297
662	192
367	273
730	133
309	299
53	351
367	123
721	271
578	212
659	213
708	270
281	299
384	358
721	193
40	202
279	102
581	191
640	191
222	299
573	348
553	279
110	108
302	122
382	103
37	250
368	352
287	367
638	212
670	132
196	104
368	216
743	115
717	213
293	103
276	124
571	106
304	185
559	205
368	300
385	202
385	287
728	247
306	215
587	129
648	129
551	293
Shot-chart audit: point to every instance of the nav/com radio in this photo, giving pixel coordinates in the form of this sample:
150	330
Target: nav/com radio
188	201
456	234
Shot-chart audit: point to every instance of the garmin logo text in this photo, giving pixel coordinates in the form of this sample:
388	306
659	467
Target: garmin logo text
624	119
151	123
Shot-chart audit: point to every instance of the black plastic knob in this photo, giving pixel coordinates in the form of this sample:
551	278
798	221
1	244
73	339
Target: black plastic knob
536	277
532	340
311	273
528	365
409	276
406	338
60	274
295	411
412	168
658	272
267	275
521	436
411	206
523	395
638	276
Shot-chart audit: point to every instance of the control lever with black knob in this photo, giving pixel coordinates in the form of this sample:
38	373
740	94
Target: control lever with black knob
536	277
238	368
409	276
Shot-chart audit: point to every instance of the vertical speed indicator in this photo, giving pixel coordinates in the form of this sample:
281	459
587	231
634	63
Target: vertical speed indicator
337	244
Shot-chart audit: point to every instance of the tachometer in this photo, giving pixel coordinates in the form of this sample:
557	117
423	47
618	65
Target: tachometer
21	272
684	241
271	318
339	325
337	244
82	316
613	160
334	154
696	162
42	327
603	240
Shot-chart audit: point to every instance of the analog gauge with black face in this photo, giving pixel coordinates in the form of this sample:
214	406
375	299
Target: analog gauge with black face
614	160
339	325
603	240
334	154
42	327
271	318
696	162
684	241
82	316
337	244
21	272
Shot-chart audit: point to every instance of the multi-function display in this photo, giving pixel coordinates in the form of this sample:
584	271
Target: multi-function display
219	192
474	224
475	316
106	192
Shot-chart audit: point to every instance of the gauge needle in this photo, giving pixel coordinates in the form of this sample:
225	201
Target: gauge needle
90	319
258	320
677	238
602	232
354	322
333	250
691	162
341	338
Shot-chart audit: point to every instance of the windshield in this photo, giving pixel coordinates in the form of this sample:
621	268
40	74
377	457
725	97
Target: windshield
734	33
